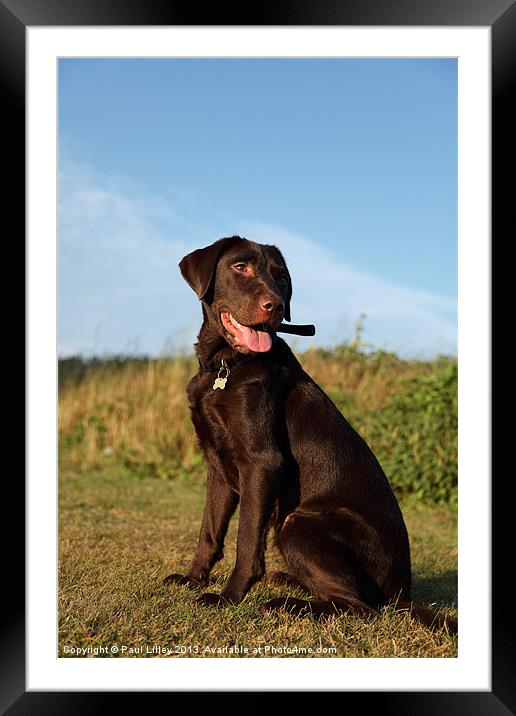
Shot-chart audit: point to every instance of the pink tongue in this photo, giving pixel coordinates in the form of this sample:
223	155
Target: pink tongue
258	341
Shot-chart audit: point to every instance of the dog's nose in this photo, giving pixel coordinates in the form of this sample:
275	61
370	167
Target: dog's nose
269	302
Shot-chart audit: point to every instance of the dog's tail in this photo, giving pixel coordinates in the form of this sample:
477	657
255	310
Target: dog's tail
427	616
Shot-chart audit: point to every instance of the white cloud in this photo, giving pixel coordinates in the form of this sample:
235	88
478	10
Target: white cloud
118	255
120	287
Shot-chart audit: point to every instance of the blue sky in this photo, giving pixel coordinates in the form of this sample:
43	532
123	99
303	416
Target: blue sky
349	166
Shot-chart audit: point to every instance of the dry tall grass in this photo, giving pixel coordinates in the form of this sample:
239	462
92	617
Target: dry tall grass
134	413
140	411
131	413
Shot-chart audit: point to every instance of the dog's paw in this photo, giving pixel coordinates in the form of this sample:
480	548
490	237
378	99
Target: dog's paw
183	580
208	599
273	605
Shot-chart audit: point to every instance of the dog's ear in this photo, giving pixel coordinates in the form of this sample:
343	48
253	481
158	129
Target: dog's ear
198	268
279	256
289	296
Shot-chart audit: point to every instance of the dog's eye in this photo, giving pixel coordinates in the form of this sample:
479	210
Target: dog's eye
241	266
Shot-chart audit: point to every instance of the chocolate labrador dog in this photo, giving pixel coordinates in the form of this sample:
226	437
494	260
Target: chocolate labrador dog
275	443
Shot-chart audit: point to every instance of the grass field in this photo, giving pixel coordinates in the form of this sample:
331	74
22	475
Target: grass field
120	534
132	494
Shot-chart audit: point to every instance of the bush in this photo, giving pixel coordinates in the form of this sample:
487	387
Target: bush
415	436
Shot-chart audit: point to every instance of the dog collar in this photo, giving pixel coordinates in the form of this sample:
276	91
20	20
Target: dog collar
216	365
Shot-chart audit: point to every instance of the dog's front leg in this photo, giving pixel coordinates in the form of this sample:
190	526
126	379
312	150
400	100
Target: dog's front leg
221	502
259	491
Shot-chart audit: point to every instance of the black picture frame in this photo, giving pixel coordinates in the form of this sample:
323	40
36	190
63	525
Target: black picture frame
15	17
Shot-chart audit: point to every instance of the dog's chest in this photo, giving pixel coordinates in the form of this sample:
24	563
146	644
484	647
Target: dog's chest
217	418
213	416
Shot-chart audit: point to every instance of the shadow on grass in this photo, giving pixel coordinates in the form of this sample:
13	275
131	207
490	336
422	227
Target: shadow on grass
439	588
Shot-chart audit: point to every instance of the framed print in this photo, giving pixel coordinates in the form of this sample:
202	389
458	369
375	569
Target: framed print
46	57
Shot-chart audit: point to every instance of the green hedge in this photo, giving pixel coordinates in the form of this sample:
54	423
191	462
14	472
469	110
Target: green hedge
414	435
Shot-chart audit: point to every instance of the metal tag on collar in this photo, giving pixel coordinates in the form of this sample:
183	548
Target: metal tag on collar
221	382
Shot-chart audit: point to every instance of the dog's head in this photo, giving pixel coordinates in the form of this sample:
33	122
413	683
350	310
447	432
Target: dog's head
245	288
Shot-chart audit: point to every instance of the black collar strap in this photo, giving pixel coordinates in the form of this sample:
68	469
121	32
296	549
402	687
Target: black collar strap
209	367
216	365
296	330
